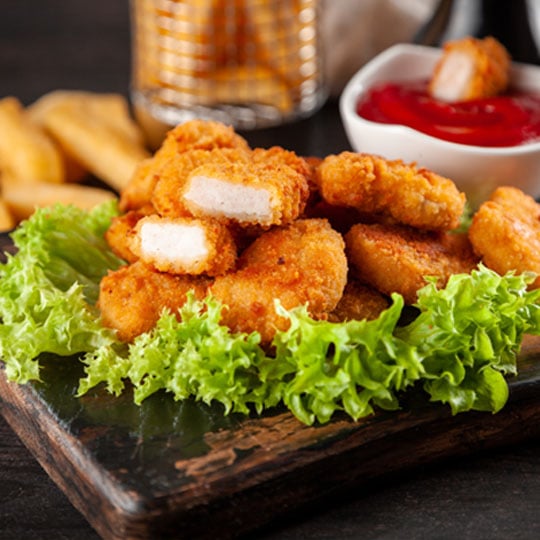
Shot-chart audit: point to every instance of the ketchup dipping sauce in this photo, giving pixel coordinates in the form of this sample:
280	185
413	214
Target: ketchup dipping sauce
510	119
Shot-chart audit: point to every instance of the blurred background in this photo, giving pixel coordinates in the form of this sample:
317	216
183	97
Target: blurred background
56	45
79	44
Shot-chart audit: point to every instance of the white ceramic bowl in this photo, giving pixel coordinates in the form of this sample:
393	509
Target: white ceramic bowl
475	170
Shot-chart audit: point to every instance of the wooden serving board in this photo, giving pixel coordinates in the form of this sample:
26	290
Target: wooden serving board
183	469
169	469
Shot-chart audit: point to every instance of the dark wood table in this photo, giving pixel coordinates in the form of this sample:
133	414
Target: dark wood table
51	44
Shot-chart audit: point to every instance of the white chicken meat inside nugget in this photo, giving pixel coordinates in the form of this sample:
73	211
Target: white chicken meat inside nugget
184	245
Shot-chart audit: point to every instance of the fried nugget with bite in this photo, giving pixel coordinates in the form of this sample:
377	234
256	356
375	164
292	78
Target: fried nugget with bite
396	258
470	68
132	298
505	232
184	245
195	137
167	194
247	192
410	195
301	263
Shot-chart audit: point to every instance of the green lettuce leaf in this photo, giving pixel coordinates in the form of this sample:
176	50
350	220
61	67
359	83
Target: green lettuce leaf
48	287
469	335
68	244
193	355
459	349
351	366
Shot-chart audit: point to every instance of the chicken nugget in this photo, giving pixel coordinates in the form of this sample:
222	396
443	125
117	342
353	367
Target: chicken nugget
182	148
302	263
277	155
138	192
470	68
411	195
173	173
132	298
184	245
246	192
118	235
505	232
359	302
396	258
200	135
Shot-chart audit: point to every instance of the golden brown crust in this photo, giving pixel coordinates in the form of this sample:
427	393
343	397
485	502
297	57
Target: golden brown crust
138	192
132	298
200	135
287	191
505	232
298	264
359	302
489	63
395	258
410	195
120	232
173	173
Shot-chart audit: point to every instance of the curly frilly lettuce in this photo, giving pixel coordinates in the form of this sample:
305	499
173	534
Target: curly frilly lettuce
459	349
48	288
461	346
469	335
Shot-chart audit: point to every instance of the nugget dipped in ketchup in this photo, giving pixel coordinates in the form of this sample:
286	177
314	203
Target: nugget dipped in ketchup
468	98
470	68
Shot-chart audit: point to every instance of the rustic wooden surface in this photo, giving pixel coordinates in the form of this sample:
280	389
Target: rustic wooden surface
151	471
492	493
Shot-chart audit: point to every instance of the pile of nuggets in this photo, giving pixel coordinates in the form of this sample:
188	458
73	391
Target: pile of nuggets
207	213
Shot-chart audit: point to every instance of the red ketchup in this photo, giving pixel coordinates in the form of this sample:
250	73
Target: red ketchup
508	120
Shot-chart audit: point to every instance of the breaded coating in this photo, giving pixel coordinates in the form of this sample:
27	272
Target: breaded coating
173	173
470	68
200	135
359	302
248	193
396	258
301	263
342	218
132	298
410	195
505	232
276	155
194	136
138	193
184	245
120	232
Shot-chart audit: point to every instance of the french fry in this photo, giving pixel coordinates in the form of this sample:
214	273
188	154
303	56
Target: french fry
111	108
25	150
22	200
96	131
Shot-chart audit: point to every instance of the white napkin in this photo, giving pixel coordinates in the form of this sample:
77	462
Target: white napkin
354	31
